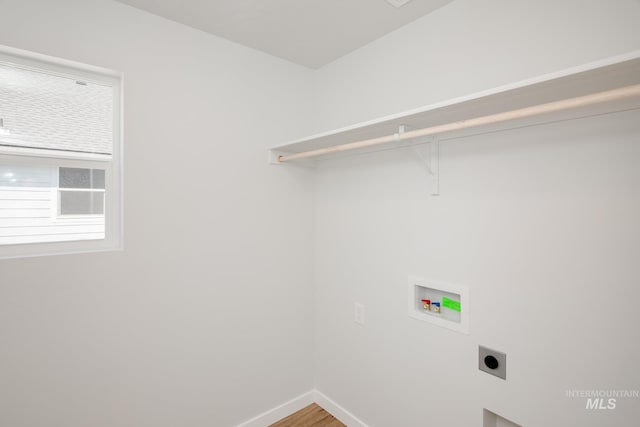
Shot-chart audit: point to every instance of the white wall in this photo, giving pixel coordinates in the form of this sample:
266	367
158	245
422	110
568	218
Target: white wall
204	318
191	326
540	223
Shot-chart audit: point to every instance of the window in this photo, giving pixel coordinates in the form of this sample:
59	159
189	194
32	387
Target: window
60	155
81	191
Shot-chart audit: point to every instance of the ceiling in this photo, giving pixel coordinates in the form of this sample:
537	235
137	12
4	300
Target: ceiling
311	33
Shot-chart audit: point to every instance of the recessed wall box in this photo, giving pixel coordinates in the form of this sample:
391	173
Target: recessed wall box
448	303
398	3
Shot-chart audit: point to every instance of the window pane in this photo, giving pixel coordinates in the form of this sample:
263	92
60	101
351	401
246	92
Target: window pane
81	178
27	176
81	203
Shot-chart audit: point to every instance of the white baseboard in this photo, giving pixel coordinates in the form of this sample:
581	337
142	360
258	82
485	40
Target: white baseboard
279	412
314	396
337	411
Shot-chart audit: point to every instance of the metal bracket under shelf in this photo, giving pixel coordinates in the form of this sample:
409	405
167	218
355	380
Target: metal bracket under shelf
432	162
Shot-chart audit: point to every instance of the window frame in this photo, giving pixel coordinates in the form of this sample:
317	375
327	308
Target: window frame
113	165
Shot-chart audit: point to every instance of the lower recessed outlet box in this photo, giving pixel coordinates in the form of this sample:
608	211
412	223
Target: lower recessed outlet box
492	362
491	419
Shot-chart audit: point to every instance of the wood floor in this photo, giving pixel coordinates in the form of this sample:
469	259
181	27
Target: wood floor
311	416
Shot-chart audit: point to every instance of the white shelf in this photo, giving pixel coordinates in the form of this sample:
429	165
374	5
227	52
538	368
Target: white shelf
611	73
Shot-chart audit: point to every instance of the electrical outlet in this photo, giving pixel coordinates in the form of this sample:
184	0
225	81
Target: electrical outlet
492	362
358	313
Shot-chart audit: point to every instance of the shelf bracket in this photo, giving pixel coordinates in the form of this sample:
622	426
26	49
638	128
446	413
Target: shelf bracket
432	163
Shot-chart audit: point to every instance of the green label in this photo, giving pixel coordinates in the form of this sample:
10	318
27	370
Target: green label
451	304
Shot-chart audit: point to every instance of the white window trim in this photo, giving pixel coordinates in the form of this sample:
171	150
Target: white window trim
114	221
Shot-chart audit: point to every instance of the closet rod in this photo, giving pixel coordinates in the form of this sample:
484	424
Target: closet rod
551	107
